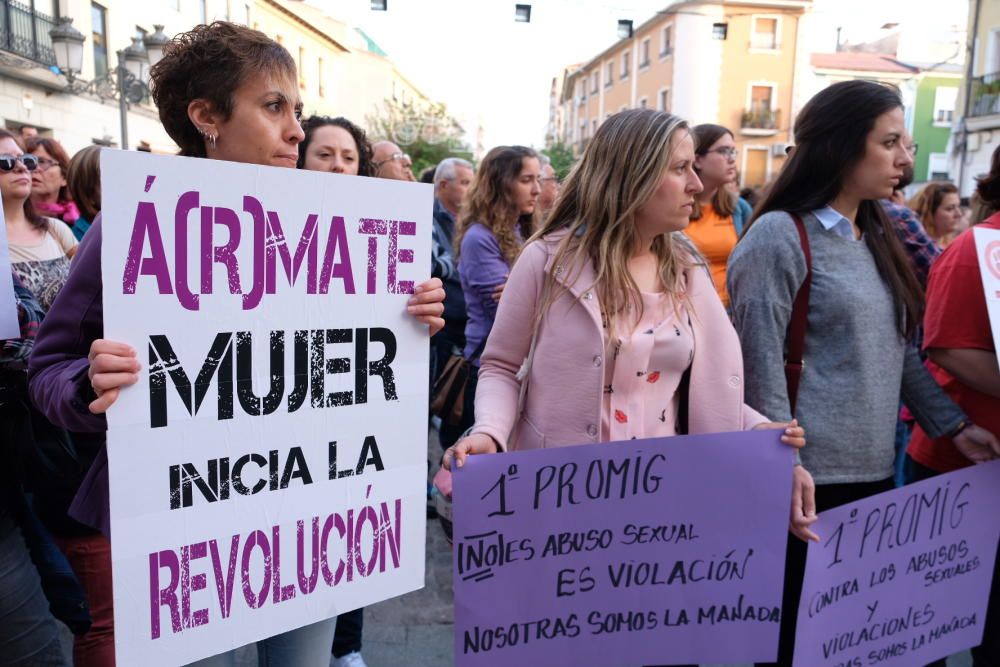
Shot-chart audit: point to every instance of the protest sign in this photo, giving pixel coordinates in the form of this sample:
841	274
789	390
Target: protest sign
9	327
268	470
988	251
901	578
669	550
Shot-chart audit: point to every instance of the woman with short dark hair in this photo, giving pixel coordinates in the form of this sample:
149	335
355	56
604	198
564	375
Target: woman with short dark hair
336	145
224	92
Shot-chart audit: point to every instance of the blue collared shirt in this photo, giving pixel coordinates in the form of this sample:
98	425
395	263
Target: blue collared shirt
833	221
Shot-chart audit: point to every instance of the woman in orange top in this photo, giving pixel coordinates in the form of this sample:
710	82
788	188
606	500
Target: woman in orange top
718	216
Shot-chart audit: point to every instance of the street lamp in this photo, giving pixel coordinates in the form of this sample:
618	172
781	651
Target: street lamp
127	83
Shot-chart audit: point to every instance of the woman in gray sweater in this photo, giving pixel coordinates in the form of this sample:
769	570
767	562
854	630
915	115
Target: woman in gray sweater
863	307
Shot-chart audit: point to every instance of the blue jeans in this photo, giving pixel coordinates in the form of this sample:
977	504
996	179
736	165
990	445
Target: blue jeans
308	646
29	634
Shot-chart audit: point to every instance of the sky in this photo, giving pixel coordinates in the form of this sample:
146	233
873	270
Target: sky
496	73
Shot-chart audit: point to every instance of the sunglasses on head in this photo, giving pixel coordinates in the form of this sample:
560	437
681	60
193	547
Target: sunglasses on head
8	162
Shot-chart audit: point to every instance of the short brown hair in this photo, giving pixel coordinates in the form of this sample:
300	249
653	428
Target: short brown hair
58	153
210	62
84	181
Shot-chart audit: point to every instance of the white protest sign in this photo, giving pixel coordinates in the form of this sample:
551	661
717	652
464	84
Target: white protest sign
9	326
988	251
268	470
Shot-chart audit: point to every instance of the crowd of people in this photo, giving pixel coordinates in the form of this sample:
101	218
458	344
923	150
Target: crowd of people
642	297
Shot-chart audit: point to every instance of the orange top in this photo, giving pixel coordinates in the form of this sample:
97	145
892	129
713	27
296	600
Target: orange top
715	237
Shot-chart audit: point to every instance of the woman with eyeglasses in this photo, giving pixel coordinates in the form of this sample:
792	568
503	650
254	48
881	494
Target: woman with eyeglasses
49	189
224	92
40	247
718	216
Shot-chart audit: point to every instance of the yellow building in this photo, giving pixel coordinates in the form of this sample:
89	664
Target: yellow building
342	72
730	62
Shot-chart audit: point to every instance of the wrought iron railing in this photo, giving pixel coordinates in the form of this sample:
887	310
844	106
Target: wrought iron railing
760	119
25	32
985	95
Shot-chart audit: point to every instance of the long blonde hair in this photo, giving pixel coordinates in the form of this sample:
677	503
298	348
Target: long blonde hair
620	170
490	202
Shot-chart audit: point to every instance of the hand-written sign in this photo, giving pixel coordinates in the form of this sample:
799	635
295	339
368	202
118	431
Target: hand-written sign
9	327
988	250
639	552
901	578
262	472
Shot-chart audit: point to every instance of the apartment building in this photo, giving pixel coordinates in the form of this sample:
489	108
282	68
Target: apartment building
976	134
731	62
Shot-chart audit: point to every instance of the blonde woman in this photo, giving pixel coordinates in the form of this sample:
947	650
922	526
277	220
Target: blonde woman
500	214
940	211
625	312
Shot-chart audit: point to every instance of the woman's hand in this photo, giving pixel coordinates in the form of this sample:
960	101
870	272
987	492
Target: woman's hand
977	444
498	290
427	304
477	443
803	513
794	436
112	366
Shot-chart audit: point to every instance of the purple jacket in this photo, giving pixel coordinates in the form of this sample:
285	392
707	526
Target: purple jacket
57	372
482	268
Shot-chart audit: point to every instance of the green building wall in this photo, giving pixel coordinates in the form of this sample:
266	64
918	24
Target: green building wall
929	137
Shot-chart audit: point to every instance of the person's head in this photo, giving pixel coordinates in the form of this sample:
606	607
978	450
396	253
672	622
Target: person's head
335	144
632	188
390	161
452	180
427	175
227	92
715	163
939	209
550	189
503	198
48	181
27	132
15	177
986	200
84	181
851	145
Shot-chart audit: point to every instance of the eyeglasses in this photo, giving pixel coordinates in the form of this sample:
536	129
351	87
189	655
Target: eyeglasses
8	162
392	158
44	163
728	152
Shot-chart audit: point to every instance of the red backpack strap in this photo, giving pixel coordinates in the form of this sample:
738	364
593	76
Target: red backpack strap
795	338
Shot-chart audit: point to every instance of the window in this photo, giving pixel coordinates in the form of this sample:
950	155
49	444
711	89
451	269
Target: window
609	74
720	30
764	34
624	29
380	5
99	27
320	73
302	67
761	99
522	13
593	82
667	41
643	103
937	167
625	64
944	105
593	127
202	11
644	53
663	104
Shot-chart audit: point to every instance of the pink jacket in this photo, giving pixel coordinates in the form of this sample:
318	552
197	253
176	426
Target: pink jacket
564	398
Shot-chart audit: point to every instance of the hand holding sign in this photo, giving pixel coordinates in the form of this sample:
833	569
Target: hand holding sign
112	366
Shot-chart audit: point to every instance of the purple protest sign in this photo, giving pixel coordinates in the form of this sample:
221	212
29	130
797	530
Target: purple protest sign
638	552
901	578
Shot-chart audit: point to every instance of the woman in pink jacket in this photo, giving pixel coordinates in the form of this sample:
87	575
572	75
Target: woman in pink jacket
632	340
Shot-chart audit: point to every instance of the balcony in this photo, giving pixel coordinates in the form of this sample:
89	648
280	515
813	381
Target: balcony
25	32
759	122
984	112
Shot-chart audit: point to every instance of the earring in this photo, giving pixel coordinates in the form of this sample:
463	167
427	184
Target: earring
210	138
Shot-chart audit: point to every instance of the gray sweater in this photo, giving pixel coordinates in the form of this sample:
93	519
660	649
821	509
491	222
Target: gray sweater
856	363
